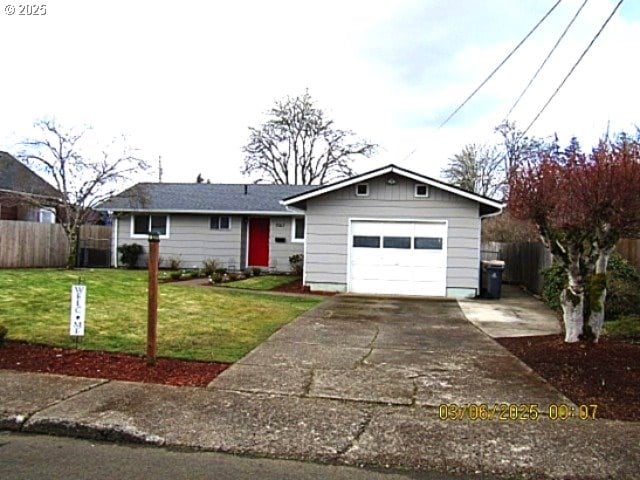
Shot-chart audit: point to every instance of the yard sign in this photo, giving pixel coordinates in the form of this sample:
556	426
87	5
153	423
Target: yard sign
78	307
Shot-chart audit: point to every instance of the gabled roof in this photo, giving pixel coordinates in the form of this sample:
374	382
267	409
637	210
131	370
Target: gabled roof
323	189
204	198
16	177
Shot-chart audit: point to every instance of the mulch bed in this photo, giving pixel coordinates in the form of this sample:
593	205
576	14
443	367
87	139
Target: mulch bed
114	366
606	373
297	287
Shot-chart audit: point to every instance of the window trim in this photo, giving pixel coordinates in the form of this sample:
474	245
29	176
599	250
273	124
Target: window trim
293	230
219	217
146	235
415	190
366	184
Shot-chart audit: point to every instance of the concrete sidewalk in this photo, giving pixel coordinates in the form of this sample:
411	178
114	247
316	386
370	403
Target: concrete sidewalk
516	314
356	381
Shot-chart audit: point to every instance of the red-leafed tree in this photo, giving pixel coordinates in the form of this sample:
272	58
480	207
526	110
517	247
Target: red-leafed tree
582	205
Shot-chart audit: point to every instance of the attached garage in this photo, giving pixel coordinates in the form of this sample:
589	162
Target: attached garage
404	258
392	231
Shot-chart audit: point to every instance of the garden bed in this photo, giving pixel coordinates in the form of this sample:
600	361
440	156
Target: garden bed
27	357
606	373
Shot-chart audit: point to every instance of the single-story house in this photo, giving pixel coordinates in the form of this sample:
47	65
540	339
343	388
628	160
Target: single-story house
387	231
23	194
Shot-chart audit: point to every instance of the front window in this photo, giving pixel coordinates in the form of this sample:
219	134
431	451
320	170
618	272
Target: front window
298	230
142	225
220	223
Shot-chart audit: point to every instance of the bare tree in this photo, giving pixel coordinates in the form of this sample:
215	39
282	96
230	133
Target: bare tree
476	169
84	182
299	146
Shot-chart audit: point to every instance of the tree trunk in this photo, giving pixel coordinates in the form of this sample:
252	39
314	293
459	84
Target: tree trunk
597	295
72	237
572	302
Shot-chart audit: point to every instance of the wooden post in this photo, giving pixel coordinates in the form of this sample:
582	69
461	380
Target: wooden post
152	310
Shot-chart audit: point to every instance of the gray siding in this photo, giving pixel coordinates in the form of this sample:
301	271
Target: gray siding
191	240
279	253
328	217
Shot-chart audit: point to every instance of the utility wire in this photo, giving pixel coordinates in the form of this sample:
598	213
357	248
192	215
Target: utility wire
535	75
500	65
593	40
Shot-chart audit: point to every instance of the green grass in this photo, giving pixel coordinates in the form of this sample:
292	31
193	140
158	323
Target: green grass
627	327
193	322
261	282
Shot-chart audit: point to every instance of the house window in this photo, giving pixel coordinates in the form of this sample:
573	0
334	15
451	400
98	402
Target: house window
421	190
298	230
396	242
362	190
220	223
363	241
142	225
46	215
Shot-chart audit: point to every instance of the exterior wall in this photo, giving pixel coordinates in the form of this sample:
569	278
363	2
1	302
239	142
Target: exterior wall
327	224
191	239
279	252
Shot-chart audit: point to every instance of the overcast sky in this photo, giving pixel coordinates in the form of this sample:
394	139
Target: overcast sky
184	80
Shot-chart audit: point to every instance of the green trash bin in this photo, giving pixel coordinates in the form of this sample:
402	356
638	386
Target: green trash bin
492	278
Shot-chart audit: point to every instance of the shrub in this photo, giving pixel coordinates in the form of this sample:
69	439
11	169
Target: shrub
129	254
255	271
210	266
217	277
297	264
221	271
3	334
173	263
623	287
175	275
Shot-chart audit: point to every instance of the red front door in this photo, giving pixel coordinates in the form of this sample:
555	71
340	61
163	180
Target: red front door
258	242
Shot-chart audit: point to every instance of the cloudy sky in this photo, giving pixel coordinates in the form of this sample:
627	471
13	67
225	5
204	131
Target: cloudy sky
184	80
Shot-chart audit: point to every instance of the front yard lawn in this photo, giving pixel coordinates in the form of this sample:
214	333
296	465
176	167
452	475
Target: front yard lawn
262	282
193	323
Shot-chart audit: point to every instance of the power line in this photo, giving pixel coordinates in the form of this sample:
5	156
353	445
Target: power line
593	40
500	65
535	75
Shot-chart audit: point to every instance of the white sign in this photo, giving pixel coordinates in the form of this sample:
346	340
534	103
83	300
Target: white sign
78	307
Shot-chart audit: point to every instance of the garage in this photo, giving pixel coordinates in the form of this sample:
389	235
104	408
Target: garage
398	257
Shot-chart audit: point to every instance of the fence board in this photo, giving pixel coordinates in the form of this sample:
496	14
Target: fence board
630	249
31	244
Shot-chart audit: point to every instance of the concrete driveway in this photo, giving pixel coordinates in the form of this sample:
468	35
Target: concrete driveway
396	351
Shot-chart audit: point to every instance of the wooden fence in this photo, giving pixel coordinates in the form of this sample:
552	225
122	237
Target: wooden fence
524	261
31	244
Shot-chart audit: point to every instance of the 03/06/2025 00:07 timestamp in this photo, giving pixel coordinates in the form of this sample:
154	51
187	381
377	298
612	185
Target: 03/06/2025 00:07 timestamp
24	10
515	411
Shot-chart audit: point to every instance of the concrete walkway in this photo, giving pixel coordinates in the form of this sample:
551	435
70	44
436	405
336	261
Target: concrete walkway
356	381
516	314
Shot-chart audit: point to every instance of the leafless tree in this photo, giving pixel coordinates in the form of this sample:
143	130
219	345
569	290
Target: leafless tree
476	169
298	145
84	182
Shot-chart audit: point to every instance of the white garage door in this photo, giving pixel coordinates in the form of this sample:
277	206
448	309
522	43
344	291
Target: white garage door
405	258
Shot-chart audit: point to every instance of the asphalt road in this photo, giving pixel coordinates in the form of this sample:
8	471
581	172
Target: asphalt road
36	457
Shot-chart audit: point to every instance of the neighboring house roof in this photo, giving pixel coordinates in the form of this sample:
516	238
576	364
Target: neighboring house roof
298	199
204	198
16	177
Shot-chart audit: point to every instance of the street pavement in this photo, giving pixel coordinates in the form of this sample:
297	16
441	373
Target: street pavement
356	381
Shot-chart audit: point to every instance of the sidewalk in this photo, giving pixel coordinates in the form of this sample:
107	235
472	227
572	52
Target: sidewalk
515	314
